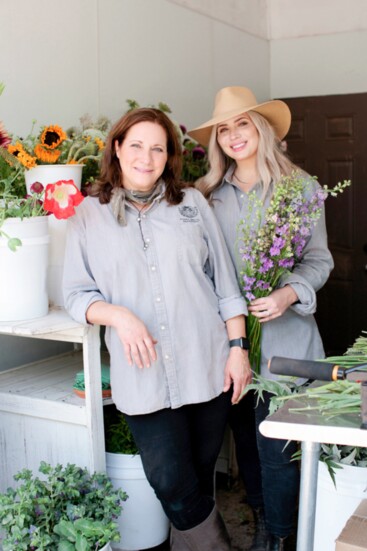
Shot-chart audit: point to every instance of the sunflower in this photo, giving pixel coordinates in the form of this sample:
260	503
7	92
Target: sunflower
23	157
52	136
46	155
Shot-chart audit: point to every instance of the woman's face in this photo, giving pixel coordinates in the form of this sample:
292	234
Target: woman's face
142	155
238	137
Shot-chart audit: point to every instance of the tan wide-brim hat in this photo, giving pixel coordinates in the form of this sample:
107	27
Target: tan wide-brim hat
235	100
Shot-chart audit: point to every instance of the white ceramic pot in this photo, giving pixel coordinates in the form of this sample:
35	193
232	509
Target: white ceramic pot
106	547
23	273
49	174
142	523
334	505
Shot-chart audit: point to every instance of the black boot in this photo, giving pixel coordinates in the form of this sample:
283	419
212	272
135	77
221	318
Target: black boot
276	543
260	537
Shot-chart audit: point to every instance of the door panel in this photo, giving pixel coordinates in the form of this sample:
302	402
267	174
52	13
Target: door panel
328	138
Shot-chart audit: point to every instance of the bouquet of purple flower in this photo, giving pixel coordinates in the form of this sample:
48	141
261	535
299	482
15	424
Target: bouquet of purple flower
271	242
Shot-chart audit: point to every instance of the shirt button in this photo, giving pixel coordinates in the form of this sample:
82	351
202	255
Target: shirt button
153	268
158	299
163	327
166	357
242	195
147	240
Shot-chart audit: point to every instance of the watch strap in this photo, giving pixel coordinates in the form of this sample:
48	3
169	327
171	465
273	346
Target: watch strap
242	342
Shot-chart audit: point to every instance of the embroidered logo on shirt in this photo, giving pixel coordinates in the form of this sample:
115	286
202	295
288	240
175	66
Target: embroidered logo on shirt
189	213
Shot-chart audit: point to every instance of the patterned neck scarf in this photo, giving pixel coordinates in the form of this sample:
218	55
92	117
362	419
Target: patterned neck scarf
121	195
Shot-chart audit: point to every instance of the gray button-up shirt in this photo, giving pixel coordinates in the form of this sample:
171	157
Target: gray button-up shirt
170	266
295	333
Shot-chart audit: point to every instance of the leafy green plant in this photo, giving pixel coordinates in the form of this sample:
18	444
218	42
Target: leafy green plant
67	509
330	399
118	436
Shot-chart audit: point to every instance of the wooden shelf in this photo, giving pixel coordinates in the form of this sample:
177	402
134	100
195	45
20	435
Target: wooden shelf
41	418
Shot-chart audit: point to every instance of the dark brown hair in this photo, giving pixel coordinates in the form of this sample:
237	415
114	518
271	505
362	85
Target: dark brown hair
111	176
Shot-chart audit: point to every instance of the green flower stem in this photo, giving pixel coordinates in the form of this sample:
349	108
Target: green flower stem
254	335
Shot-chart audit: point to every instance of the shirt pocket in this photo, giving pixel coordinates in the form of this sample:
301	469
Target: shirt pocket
192	247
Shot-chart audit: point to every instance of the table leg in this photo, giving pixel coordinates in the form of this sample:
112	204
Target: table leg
307	501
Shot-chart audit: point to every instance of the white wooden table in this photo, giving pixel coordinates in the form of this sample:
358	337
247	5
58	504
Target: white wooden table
40	416
311	429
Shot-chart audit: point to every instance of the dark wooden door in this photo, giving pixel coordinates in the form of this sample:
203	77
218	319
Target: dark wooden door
328	138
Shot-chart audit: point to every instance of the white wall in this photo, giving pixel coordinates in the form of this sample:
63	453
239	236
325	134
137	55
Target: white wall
320	65
60	60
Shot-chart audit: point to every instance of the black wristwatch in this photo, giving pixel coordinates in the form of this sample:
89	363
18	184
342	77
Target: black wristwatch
242	342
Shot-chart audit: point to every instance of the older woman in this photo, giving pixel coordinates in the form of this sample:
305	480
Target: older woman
146	258
245	155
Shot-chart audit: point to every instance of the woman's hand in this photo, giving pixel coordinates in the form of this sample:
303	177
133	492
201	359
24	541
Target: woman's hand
274	305
138	343
237	372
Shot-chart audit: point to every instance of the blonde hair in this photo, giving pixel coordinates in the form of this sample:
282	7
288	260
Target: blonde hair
272	162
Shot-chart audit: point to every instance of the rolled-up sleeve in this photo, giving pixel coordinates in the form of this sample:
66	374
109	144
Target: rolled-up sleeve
312	272
220	268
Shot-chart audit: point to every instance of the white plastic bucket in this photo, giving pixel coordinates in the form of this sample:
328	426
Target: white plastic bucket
49	174
23	273
334	506
142	523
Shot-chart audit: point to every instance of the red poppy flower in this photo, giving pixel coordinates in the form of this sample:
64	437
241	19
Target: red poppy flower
61	198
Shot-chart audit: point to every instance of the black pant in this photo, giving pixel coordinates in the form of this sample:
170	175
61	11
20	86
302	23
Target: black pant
179	449
243	424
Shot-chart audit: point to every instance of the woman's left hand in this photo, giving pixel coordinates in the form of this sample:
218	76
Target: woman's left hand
237	372
274	305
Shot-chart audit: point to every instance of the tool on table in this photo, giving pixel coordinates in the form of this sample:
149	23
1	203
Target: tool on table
323	371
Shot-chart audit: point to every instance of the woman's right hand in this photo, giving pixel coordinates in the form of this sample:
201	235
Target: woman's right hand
138	343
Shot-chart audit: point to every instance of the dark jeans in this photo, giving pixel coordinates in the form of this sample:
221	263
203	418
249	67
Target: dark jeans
179	449
280	477
242	423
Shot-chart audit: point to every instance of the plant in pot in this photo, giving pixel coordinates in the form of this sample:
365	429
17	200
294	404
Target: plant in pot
66	509
24	238
143	523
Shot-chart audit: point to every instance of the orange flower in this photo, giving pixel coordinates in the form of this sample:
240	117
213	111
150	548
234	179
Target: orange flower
100	143
52	136
46	155
23	157
61	198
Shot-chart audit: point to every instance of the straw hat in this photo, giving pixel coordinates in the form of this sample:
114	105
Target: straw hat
235	100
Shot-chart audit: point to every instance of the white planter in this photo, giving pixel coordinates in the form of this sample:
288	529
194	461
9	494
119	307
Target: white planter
142	523
107	547
23	273
49	174
335	505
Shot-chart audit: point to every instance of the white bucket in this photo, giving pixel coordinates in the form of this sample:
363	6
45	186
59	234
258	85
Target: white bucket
23	273
49	174
142	523
334	506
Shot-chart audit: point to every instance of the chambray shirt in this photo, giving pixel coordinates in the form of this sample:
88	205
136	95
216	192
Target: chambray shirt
295	333
182	285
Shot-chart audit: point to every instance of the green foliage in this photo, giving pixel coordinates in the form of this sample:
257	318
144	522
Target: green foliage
117	433
68	508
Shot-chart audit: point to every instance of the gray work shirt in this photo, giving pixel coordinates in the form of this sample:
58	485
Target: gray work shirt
182	285
295	333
